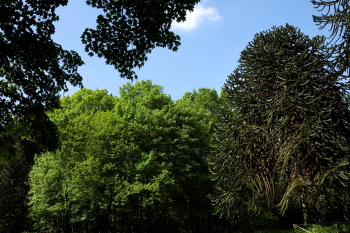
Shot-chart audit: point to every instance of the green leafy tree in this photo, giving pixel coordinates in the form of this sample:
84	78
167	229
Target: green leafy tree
34	69
51	186
138	165
284	141
337	19
205	99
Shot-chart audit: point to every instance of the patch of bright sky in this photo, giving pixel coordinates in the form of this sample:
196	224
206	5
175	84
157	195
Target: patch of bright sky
211	41
201	14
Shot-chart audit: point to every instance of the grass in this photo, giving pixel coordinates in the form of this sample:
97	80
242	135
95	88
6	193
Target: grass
341	228
336	228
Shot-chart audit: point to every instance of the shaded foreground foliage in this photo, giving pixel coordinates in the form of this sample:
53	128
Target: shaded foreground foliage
34	69
14	190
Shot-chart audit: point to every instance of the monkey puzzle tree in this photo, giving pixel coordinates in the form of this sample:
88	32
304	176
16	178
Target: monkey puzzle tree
284	142
337	16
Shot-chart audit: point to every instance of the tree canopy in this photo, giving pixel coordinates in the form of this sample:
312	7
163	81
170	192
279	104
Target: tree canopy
129	30
140	162
133	163
34	69
284	141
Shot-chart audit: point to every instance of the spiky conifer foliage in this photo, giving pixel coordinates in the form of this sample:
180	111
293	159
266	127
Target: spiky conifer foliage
284	142
335	16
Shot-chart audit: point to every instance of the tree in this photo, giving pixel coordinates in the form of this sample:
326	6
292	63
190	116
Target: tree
284	141
337	16
136	163
14	190
206	99
129	30
34	69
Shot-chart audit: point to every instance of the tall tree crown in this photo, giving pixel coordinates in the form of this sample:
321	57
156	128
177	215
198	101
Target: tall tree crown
287	137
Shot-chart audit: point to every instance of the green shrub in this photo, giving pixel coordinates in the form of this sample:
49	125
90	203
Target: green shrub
323	229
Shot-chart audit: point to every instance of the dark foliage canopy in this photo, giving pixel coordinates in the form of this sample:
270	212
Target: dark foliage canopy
14	189
129	30
34	69
285	141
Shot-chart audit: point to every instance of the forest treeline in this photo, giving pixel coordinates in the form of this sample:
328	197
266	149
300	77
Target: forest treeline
270	150
134	163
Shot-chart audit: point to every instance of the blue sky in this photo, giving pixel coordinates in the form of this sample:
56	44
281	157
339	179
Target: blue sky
211	41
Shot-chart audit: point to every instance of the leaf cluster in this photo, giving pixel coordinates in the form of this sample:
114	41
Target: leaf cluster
33	71
128	30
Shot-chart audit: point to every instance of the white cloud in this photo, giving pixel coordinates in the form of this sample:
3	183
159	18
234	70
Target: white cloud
198	15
